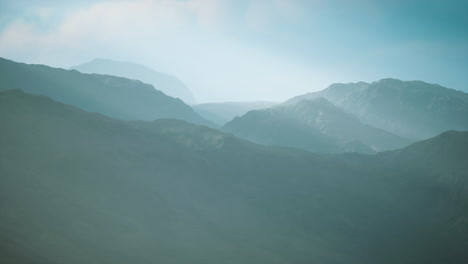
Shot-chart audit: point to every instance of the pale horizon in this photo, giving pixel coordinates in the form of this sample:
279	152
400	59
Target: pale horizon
248	50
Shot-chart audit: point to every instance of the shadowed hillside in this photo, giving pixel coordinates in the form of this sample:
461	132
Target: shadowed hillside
79	187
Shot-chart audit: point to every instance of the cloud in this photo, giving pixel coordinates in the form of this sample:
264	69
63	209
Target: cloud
55	34
117	25
191	39
262	14
112	20
141	19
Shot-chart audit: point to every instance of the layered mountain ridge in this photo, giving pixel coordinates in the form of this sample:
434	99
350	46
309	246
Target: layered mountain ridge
411	109
315	125
80	187
115	97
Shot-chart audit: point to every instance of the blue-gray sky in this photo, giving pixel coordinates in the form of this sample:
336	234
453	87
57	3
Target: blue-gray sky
236	50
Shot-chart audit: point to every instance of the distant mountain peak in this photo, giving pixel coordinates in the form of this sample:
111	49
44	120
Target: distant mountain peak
411	109
168	84
389	80
312	124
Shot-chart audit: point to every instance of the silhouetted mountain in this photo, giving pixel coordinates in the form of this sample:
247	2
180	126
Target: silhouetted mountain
411	109
165	83
79	187
221	113
112	96
315	125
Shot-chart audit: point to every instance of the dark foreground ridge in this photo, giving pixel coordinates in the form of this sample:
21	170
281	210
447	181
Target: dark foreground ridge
80	187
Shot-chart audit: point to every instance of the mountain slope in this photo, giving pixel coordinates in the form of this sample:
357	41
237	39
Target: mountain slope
112	96
411	109
79	187
315	125
165	83
221	113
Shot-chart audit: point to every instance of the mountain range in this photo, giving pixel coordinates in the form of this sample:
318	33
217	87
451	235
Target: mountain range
81	187
357	117
104	169
412	109
168	84
109	95
315	125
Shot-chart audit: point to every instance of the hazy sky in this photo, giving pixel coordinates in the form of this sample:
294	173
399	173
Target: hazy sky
232	50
